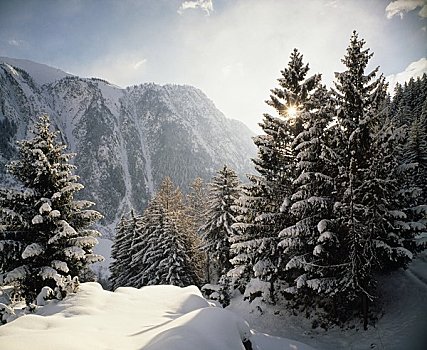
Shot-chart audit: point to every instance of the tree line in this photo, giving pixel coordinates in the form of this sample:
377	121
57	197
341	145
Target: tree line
339	195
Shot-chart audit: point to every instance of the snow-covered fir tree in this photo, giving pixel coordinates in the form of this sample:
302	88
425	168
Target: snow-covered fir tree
217	230
197	203
162	255
261	217
415	150
391	229
173	201
139	247
121	251
46	237
366	205
409	112
310	244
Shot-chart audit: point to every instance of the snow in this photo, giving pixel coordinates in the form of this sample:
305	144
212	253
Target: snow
256	286
60	265
168	317
18	273
322	225
74	252
31	250
55	214
45	293
45	208
112	94
63	230
150	318
38	219
403	325
268	342
48	272
397	214
413	70
41	73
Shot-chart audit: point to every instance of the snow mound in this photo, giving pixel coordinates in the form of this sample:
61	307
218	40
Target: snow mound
152	318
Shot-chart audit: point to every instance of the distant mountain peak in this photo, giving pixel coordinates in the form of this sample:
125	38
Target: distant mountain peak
41	73
126	140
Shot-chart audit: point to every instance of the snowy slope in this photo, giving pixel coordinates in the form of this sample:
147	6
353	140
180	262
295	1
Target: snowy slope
40	73
150	318
126	140
402	327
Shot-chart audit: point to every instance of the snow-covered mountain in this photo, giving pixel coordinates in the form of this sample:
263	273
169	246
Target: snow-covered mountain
126	140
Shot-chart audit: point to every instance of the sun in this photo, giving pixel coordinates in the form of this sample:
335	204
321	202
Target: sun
292	111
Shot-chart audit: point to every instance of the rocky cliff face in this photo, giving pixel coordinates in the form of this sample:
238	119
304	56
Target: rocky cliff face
126	140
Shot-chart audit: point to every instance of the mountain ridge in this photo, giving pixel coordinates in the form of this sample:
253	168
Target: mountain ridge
126	140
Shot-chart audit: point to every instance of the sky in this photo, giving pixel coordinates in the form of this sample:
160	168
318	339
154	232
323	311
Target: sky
233	50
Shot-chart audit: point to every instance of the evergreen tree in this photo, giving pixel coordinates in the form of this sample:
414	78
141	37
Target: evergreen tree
197	203
415	151
121	251
216	232
45	237
162	256
262	215
172	200
409	111
366	185
140	246
390	229
309	244
243	246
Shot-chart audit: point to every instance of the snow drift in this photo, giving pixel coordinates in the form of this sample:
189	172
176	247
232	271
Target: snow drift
157	317
150	318
154	317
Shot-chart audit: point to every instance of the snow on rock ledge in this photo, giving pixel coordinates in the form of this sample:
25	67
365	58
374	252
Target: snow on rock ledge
152	318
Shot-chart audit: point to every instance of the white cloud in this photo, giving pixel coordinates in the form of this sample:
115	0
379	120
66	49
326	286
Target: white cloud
122	70
14	42
140	63
414	70
205	5
400	7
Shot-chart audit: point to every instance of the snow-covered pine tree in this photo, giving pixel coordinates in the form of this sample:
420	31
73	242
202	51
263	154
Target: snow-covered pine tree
409	111
127	230
172	200
46	239
243	245
413	182
260	207
217	230
116	268
310	244
359	98
161	254
390	228
408	101
415	150
140	246
197	203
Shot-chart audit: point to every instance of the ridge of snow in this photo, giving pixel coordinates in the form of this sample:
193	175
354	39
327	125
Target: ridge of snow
41	73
